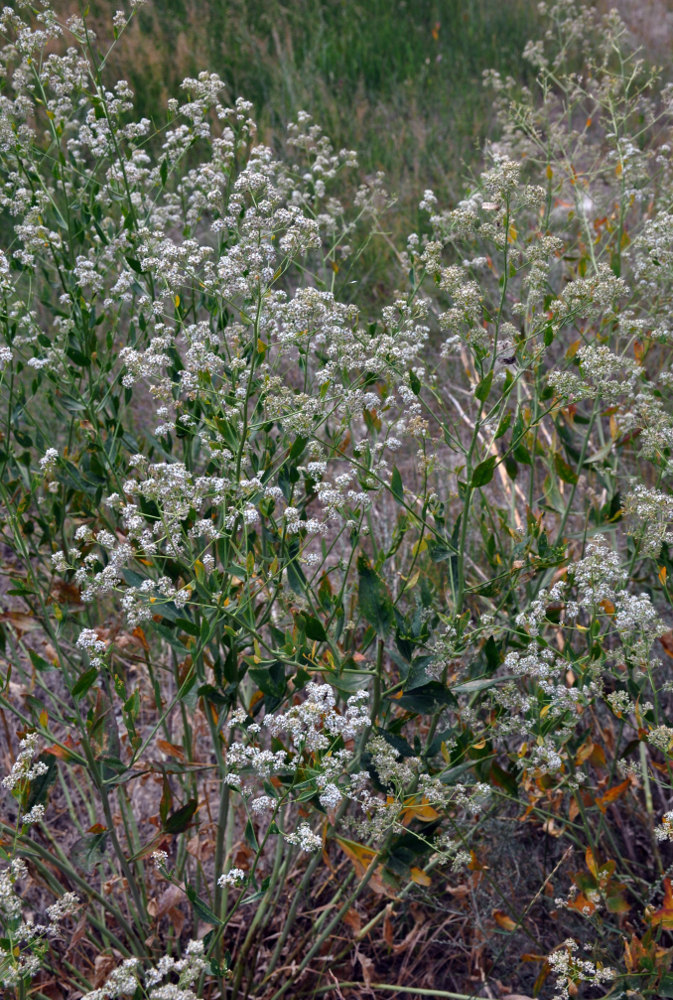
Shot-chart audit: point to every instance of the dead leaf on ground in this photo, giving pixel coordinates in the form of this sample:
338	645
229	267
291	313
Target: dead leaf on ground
103	966
367	967
353	920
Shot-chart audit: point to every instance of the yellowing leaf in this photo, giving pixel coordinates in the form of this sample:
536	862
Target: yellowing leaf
583	753
420	877
504	920
664	916
362	858
550	172
257	696
612	794
360	855
583	905
171	749
590	861
475	864
662	575
418	810
420	546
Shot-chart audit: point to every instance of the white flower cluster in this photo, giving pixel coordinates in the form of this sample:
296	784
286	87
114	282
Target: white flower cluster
23	768
88	640
651	514
48	461
25	942
311	724
569	970
665	830
304	838
156	980
234	877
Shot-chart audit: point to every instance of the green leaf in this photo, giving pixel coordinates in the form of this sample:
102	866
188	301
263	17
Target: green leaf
81	686
483	473
181	818
39	786
484	387
270	680
298	447
396	487
503	425
376	606
415	383
564	471
204	912
427	699
250	838
314	628
88	851
295	577
185	625
38	662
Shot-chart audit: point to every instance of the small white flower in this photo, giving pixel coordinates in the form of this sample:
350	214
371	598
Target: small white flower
48	460
160	858
304	838
234	877
66	906
35	815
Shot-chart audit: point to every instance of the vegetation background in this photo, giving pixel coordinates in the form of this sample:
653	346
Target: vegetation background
399	81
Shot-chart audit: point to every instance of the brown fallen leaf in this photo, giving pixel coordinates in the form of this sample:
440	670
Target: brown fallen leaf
352	919
504	920
666	641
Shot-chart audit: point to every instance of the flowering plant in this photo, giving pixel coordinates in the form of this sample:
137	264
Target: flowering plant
322	612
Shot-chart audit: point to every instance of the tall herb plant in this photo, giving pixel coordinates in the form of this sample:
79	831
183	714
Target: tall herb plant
317	620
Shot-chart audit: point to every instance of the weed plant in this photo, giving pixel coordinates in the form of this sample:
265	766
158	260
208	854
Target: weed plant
335	638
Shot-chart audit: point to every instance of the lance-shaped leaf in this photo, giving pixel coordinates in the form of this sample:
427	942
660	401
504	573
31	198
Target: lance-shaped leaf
375	603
